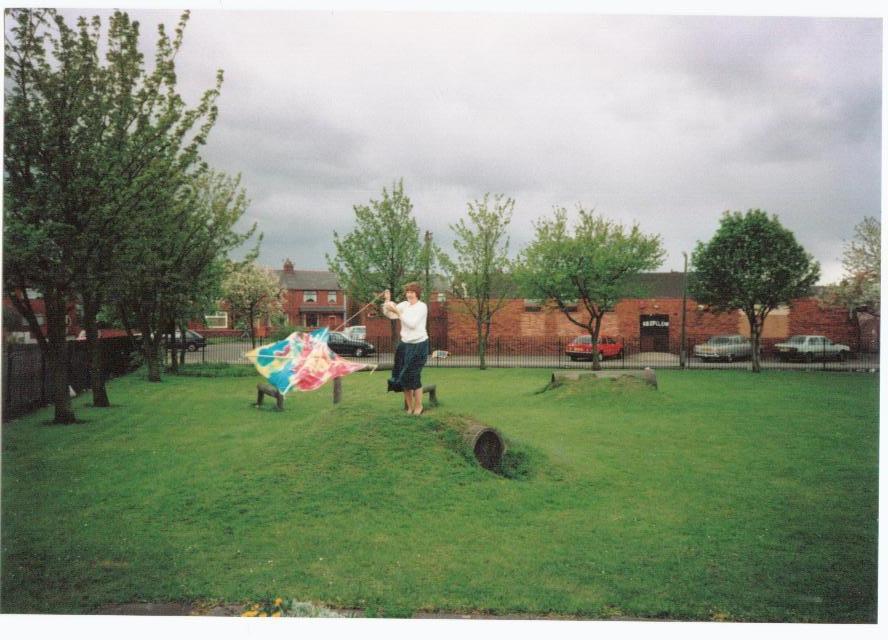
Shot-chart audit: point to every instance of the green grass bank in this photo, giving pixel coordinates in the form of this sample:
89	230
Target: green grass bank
720	496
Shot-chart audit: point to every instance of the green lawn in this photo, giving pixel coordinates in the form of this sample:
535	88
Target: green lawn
722	495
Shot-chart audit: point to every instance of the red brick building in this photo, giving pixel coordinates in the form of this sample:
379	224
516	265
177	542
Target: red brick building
313	298
650	323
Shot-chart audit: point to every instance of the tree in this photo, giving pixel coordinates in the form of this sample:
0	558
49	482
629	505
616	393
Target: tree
173	259
585	273
84	142
252	291
752	263
860	288
382	252
479	274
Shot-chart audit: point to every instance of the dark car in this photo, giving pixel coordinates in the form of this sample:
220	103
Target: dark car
193	340
345	346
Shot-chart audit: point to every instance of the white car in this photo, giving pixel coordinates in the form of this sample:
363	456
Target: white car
357	332
810	348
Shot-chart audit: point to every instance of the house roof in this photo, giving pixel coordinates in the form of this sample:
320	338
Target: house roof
307	280
669	284
312	280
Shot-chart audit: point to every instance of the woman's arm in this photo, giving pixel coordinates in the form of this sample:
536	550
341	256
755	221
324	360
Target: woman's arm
390	310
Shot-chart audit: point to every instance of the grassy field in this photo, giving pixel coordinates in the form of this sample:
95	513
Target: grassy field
721	496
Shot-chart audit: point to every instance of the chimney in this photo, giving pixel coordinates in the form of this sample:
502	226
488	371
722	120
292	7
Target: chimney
288	266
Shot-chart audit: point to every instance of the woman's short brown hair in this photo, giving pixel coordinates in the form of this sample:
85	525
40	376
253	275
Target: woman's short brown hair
414	287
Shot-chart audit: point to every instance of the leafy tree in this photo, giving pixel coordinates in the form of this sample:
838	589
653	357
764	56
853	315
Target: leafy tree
382	252
85	143
175	258
252	291
752	263
586	272
479	274
860	288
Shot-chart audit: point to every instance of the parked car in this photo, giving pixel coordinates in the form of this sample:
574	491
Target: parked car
729	347
346	346
193	340
357	332
580	348
810	348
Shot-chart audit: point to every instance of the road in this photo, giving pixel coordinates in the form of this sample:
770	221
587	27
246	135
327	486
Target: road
233	353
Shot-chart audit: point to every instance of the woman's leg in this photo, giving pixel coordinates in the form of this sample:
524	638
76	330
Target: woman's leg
417	401
408	399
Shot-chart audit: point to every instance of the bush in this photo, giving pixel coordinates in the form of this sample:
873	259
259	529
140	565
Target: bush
285	331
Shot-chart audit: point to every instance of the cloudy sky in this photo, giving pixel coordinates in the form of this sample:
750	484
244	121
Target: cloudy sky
662	120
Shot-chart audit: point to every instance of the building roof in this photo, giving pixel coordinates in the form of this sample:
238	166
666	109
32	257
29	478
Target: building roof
669	284
307	280
317	280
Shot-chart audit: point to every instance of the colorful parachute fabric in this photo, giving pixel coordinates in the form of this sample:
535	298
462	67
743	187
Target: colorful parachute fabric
302	360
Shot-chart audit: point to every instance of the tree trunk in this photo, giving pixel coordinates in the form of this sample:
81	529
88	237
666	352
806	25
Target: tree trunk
754	332
149	349
252	330
57	357
394	333
174	350
596	355
183	331
482	346
94	352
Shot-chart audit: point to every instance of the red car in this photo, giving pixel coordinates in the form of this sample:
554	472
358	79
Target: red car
580	348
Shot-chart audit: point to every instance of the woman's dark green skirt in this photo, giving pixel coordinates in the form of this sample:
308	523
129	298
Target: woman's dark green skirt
409	360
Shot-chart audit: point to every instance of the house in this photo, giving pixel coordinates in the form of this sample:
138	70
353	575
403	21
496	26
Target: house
313	298
17	329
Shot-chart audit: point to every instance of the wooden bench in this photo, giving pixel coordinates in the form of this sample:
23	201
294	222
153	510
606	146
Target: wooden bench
264	389
432	390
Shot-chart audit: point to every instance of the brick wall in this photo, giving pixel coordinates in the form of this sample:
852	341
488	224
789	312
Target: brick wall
808	316
517	329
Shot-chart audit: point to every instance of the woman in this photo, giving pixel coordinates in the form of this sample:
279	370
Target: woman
413	349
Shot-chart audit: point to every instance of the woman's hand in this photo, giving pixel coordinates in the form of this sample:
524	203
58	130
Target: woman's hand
391	306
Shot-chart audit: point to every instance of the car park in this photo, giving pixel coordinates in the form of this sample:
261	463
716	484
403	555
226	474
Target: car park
346	346
580	348
725	347
810	348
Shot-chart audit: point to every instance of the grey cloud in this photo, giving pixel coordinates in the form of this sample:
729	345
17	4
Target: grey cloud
664	120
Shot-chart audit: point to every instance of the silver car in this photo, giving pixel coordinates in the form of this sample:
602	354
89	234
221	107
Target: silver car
730	348
810	348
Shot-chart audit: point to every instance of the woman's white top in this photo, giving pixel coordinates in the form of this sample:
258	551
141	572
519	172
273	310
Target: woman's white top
413	320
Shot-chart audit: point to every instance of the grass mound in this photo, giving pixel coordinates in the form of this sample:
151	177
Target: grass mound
593	387
519	461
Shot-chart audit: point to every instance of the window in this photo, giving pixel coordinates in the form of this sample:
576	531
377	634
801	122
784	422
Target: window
309	296
331	297
218	320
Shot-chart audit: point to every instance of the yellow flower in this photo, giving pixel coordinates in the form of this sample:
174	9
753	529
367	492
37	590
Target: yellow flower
276	614
263	614
278	602
249	614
